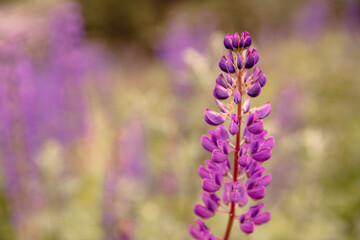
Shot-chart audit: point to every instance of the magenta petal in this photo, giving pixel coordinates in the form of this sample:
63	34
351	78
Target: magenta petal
223	108
239	61
264	110
269	143
233	128
254	210
221	130
203	172
221	81
196	233
244	160
247	227
261	79
254	90
202	211
237	96
256	128
228	41
222	64
257	193
252	118
230	66
262	155
262	218
220	92
266	180
219	157
246	106
207	143
209	185
213	118
235	40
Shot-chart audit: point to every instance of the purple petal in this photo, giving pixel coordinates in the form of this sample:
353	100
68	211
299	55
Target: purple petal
209	186
239	61
261	79
229	79
230	66
246	39
202	225
221	81
254	90
252	118
237	96
244	160
256	127
228	41
213	118
211	165
224	146
221	130
223	108
262	218
269	142
247	227
264	110
218	157
262	155
250	60
246	106
235	40
230	56
254	146
256	55
233	128
266	180
207	143
222	64
209	203
254	210
203	172
257	193
202	211
196	233
220	92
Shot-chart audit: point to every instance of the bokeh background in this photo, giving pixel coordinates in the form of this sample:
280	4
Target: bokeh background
101	114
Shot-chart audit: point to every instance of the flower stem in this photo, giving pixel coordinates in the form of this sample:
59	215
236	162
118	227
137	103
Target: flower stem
235	173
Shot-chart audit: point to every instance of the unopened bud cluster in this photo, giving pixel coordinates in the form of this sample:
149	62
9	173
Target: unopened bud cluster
246	177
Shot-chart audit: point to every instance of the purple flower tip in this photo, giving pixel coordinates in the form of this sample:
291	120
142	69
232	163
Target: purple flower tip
222	64
233	128
218	157
228	41
220	92
202	211
237	96
246	106
262	155
207	143
210	186
213	118
254	90
239	61
247	227
264	110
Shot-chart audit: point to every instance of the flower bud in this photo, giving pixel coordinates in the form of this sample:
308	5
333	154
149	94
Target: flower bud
209	185
222	64
233	128
221	81
235	41
246	106
213	118
218	157
239	61
223	108
262	155
237	96
202	211
207	143
254	90
230	66
228	41
220	92
264	110
245	40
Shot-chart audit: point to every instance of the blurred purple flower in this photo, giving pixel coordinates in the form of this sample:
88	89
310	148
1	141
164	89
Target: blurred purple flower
180	36
128	166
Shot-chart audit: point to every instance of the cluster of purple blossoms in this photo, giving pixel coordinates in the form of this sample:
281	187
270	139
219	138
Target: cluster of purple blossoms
252	147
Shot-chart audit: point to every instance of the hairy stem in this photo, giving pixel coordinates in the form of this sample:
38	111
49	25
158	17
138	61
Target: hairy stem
236	153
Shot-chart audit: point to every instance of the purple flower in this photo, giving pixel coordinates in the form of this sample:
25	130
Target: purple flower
251	149
253	217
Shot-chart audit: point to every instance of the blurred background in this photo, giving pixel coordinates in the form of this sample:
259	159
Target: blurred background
101	115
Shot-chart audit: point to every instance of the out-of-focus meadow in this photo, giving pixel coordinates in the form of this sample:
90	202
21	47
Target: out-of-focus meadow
101	115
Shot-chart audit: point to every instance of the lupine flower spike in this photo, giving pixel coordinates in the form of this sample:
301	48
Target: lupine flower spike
245	178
